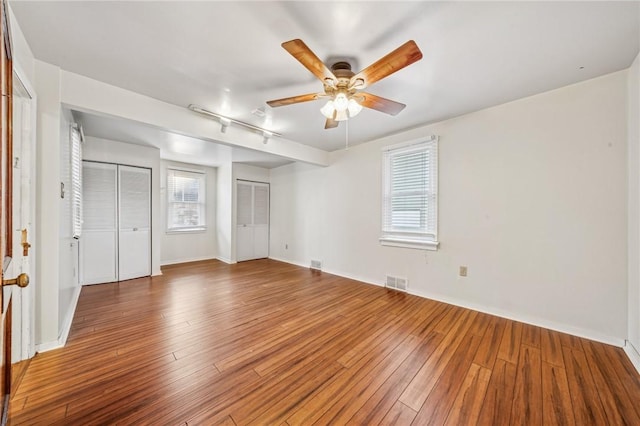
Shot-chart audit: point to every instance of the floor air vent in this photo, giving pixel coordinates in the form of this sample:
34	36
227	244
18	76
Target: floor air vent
316	264
396	283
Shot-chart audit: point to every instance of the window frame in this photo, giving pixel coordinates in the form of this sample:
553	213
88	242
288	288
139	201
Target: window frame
202	201
426	239
76	136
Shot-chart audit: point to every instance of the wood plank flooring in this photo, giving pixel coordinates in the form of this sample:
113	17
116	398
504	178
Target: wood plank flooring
265	342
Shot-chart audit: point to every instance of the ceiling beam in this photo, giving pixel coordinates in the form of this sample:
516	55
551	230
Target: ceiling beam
89	95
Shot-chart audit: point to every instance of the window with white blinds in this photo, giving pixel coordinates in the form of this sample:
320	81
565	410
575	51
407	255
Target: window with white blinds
76	182
410	195
185	200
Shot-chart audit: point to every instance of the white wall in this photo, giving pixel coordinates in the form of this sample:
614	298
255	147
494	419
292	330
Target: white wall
47	85
23	59
107	151
633	114
298	210
68	283
224	212
178	247
532	200
252	173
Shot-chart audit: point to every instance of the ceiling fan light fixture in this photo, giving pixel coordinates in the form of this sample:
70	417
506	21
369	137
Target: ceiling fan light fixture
354	108
341	102
328	110
341	115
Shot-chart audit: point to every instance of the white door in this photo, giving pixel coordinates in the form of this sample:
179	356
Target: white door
99	241
260	220
22	320
134	253
244	231
252	220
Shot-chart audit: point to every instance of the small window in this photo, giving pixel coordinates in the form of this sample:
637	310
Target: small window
410	195
76	180
185	201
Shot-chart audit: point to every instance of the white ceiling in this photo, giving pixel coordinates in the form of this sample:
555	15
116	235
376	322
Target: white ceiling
227	58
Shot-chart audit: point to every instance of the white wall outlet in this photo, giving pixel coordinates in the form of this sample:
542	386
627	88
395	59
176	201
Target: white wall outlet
463	271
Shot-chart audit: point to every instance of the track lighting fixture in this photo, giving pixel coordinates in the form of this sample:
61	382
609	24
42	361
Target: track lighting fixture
225	122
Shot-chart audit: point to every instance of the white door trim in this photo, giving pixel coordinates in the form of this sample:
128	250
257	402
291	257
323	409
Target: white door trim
28	215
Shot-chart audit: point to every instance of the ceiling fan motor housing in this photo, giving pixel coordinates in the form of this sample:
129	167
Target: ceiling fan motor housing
342	71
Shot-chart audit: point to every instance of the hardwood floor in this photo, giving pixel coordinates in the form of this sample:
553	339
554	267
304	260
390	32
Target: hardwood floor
265	342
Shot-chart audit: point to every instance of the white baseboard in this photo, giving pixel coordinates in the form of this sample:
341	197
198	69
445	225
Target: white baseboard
527	319
225	260
291	262
48	346
66	326
633	354
539	322
191	259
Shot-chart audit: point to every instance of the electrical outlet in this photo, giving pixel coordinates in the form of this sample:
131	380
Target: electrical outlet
463	271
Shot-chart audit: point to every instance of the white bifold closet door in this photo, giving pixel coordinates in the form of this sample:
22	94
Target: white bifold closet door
116	229
252	220
99	240
134	224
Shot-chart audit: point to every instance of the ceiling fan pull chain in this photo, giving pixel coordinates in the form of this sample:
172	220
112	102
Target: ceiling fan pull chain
346	125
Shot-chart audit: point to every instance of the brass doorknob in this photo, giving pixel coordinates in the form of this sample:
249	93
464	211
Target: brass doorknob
22	281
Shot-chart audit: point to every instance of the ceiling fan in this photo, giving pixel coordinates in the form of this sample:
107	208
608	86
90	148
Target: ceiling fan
343	87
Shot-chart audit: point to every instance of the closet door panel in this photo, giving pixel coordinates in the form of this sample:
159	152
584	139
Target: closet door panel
134	252
260	242
244	243
244	221
98	243
134	260
260	220
99	257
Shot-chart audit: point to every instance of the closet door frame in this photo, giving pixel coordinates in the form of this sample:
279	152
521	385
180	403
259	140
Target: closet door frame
117	228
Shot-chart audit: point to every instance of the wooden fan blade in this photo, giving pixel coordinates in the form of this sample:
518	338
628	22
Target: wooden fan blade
380	104
294	100
306	57
403	56
331	123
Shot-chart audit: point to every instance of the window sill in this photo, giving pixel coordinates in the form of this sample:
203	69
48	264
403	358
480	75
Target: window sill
187	231
410	244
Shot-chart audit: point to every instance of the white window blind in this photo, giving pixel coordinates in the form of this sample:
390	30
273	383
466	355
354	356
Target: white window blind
76	181
185	200
410	195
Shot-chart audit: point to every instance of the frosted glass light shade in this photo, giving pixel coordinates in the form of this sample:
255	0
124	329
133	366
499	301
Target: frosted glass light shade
341	115
328	109
341	108
354	108
341	102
